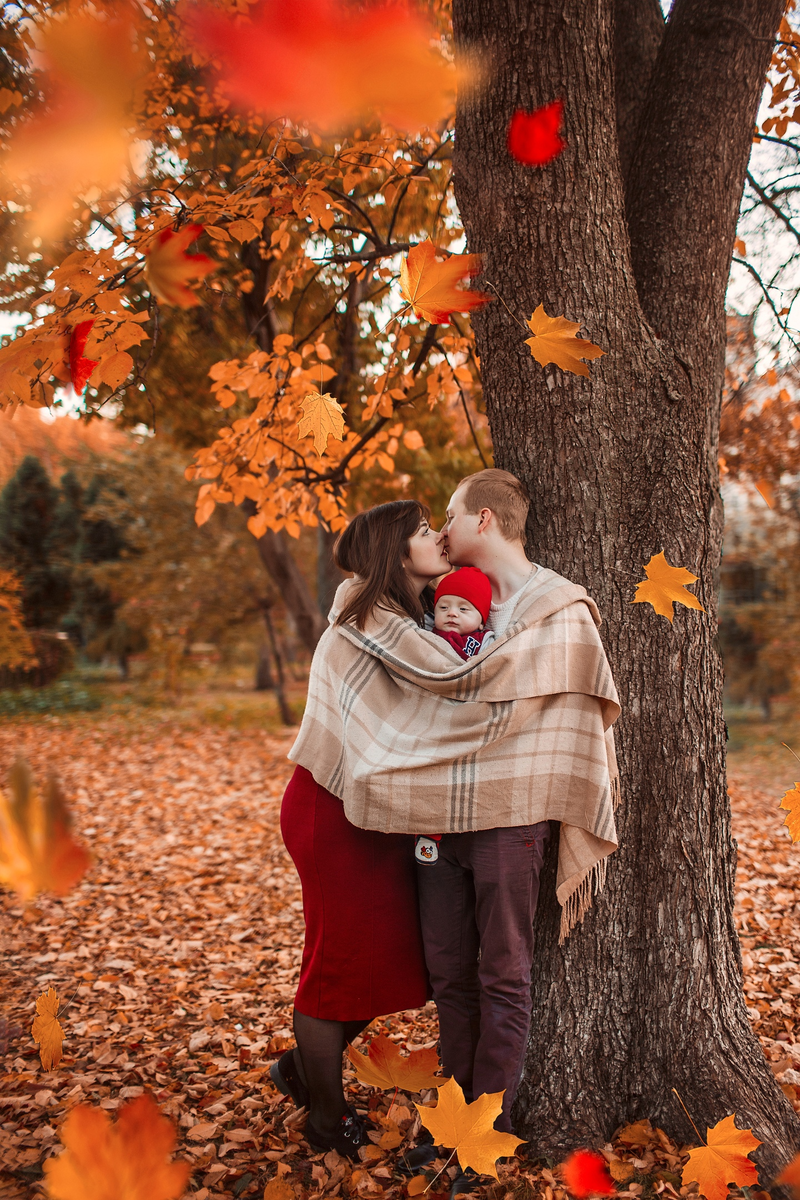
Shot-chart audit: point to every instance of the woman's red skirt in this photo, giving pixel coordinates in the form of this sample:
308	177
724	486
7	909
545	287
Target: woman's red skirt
363	953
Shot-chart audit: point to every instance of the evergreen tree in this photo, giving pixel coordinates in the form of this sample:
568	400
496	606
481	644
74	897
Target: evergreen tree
28	506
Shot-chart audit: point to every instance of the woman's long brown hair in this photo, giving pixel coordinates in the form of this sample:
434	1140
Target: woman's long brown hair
373	547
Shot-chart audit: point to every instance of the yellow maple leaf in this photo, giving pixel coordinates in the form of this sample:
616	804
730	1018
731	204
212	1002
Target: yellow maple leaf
386	1067
723	1160
128	1160
323	417
554	341
46	1030
428	284
791	803
665	586
169	267
37	850
469	1128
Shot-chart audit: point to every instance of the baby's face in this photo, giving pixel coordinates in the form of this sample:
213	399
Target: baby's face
456	615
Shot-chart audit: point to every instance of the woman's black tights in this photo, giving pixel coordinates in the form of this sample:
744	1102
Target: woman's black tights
319	1063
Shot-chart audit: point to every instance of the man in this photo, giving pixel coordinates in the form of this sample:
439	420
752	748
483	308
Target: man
478	899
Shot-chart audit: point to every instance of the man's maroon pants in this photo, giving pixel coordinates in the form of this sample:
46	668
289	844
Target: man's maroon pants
477	904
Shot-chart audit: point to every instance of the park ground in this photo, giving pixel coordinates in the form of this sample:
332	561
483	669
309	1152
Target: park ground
177	957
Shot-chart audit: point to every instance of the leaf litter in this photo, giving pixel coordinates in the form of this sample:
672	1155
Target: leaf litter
176	958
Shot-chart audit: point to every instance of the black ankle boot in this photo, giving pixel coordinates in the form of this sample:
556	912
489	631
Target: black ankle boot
285	1076
348	1138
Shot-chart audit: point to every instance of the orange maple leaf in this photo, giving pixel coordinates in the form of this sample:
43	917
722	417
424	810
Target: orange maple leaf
128	1160
791	803
324	63
723	1160
428	284
386	1067
554	341
46	1030
79	139
37	850
665	586
323	417
169	266
469	1128
790	1175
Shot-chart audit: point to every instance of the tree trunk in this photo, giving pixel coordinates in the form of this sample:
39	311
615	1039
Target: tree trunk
292	588
264	679
280	681
328	574
647	994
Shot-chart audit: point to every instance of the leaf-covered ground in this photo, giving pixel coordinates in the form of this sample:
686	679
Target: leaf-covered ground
177	958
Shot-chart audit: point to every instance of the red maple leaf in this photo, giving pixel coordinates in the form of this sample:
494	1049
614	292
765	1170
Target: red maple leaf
533	138
586	1174
80	368
327	63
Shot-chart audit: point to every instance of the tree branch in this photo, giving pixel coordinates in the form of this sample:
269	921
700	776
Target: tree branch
638	33
767	200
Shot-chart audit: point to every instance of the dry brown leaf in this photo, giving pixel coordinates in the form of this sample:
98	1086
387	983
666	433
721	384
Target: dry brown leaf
278	1189
46	1030
791	803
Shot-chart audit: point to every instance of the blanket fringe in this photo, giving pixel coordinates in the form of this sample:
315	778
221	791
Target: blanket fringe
580	901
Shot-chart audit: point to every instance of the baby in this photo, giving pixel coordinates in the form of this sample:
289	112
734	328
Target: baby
461	609
460	612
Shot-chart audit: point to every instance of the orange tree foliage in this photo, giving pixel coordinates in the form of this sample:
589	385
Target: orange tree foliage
307	231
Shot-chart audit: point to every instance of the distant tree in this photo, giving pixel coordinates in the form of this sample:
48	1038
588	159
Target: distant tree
28	506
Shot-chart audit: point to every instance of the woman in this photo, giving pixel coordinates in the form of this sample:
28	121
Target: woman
363	953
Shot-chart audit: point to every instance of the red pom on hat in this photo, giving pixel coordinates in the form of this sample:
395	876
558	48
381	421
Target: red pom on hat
472	585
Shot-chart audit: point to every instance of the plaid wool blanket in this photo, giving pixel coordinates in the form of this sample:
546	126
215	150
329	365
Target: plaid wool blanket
415	740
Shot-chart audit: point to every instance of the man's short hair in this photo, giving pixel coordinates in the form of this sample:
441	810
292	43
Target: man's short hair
503	493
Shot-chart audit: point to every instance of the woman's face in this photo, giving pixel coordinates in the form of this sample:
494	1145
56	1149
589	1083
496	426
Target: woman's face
426	558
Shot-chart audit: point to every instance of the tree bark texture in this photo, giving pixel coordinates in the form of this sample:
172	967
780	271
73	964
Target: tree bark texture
647	994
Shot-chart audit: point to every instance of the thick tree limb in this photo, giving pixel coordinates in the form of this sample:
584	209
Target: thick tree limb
638	33
688	170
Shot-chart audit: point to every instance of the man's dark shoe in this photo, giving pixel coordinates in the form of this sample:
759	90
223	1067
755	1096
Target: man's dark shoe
285	1076
349	1137
467	1181
422	1155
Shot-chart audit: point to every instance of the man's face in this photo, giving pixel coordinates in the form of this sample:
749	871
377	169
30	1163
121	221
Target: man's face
460	532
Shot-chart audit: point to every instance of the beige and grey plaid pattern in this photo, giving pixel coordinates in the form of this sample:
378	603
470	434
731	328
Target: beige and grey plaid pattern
415	740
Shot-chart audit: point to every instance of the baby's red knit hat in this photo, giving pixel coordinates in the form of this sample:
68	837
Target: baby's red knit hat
471	584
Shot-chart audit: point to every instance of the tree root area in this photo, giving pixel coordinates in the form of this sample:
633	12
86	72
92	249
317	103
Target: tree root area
177	957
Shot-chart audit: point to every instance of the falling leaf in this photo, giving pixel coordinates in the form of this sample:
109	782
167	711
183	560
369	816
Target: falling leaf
428	284
791	803
417	1185
469	1128
767	491
665	586
37	850
790	1175
169	266
722	1161
127	1160
740	248
46	1030
554	341
80	367
533	138
387	1068
586	1174
324	63
79	139
323	417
